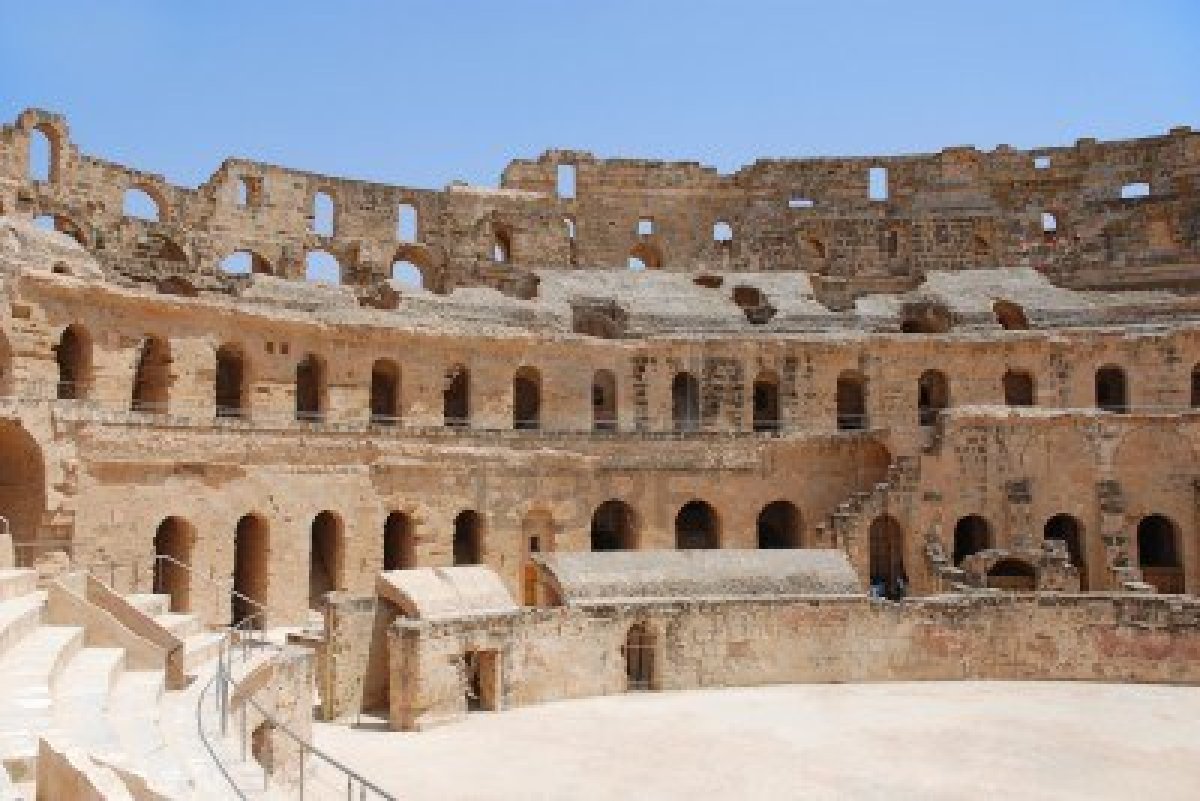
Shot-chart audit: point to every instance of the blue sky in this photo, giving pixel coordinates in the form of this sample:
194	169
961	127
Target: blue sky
422	93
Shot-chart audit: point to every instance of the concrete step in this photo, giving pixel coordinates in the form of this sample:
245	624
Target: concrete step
199	649
17	582
181	626
30	672
152	604
182	736
19	617
135	710
82	701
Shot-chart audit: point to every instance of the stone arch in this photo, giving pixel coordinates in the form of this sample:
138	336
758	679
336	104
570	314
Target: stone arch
851	400
697	527
685	401
44	154
1112	391
888	576
22	487
74	356
1067	528
649	254
152	376
230	381
925	317
614	527
412	266
251	568
326	557
765	402
1019	388
1159	553
144	202
456	397
640	650
324	214
972	534
468	538
604	400
385	392
933	395
527	398
502	245
399	542
778	525
246	262
311	389
1013	574
321	266
1010	316
174	543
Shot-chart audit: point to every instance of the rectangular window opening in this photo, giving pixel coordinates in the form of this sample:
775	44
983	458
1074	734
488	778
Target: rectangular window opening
1133	191
800	203
877	178
645	226
566	181
1041	162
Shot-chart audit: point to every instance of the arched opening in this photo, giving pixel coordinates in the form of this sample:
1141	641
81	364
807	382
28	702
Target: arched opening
251	561
527	399
722	233
245	262
1014	575
468	538
766	402
1018	388
152	376
1068	529
385	392
456	397
972	534
1111	392
696	527
1050	229
325	559
408	274
310	389
43	154
685	402
322	268
604	401
647	255
851	401
1159	554
173	543
502	252
614	527
62	224
399	547
22	488
406	223
933	395
925	318
639	658
323	214
779	525
538	533
1010	316
230	383
888	579
141	205
74	356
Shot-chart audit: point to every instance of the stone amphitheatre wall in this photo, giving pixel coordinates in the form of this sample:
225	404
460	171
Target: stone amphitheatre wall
955	209
552	654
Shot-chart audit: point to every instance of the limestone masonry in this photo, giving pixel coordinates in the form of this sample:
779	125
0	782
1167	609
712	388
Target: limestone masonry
463	435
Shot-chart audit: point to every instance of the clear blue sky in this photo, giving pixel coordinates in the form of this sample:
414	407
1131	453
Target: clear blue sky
422	93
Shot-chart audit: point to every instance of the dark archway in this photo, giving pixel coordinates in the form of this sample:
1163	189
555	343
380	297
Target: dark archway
1015	575
468	538
888	577
74	356
230	384
251	569
697	527
851	401
972	534
385	392
22	488
1010	316
604	401
1068	529
152	377
685	402
766	402
933	395
779	525
326	560
1112	394
614	527
310	389
399	547
1159	553
639	658
527	399
174	541
456	397
1018	388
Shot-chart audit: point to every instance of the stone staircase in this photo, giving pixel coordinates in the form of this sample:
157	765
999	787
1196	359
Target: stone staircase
123	722
839	529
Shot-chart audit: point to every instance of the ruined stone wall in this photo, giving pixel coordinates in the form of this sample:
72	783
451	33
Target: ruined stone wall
956	209
552	654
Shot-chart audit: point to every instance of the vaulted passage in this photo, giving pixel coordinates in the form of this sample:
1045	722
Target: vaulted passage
971	535
74	357
639	658
696	527
1111	392
527	399
933	395
779	525
1158	553
851	401
152	377
614	527
1068	529
604	401
230	384
468	538
173	544
310	389
326	557
456	397
685	402
251	565
888	578
22	488
1015	575
399	549
385	392
766	402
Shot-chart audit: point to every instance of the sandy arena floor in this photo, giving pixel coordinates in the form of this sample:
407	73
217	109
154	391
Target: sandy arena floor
952	740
